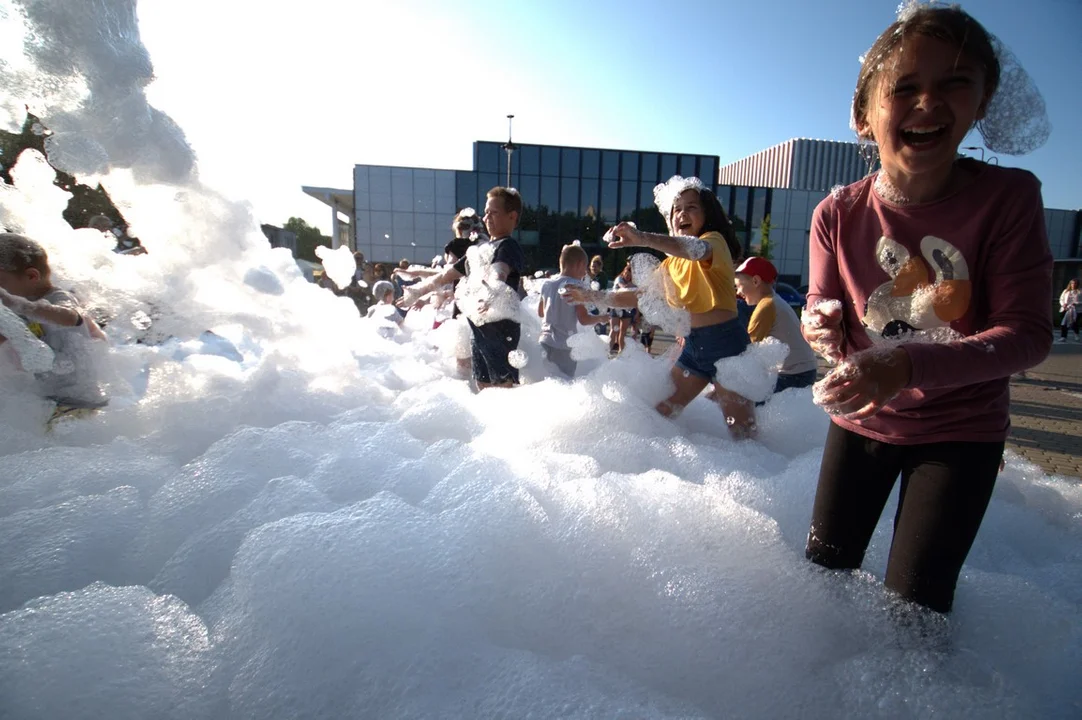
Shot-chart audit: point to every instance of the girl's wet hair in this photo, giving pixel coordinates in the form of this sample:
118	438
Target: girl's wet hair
715	220
952	25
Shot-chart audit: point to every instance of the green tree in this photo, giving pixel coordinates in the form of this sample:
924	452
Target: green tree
766	248
307	238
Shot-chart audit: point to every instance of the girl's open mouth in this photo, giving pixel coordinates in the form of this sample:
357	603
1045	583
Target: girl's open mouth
923	137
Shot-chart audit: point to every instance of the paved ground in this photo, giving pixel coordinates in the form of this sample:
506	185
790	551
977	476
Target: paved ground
1046	410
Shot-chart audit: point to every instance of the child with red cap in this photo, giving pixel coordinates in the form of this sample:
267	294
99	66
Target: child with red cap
771	317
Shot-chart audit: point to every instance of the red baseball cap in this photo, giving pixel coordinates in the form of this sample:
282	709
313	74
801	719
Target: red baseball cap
760	268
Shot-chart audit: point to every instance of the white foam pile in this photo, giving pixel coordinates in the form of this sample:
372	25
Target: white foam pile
294	517
339	264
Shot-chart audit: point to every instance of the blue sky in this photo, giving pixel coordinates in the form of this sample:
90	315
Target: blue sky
311	89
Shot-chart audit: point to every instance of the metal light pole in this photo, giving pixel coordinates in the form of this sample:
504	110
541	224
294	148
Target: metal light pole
975	147
510	148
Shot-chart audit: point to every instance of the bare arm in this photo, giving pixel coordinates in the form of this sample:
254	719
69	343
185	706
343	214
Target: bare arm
585	318
689	248
412	272
41	310
541	308
609	298
412	293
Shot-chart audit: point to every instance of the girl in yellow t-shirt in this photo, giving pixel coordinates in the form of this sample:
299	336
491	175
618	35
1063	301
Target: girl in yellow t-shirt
700	250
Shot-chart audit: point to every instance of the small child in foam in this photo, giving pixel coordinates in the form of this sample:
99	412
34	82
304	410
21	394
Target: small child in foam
559	320
384	311
774	318
56	318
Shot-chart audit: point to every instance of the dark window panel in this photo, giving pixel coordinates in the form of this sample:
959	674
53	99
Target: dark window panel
708	170
569	195
466	190
570	163
488	157
609	199
758	206
629	198
668	167
610	164
649	167
646	194
739	218
550	161
591	163
529	159
740	205
687	166
725	198
589	197
649	218
629	166
485	182
531	199
550	193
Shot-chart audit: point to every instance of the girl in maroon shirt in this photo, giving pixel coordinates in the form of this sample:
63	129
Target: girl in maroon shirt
942	271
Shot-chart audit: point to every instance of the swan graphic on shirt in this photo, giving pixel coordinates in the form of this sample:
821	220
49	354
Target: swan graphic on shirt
924	295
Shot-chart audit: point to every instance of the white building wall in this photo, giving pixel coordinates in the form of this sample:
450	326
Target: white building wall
798	164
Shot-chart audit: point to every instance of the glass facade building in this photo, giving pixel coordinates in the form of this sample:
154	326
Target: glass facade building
574	193
568	193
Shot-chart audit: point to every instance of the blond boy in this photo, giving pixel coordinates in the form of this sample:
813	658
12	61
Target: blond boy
559	319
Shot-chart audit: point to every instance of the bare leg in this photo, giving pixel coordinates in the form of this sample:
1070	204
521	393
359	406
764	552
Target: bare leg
687	388
621	334
739	413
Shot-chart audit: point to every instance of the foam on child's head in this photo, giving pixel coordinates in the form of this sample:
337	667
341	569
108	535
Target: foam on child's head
380	289
1015	120
468	223
665	193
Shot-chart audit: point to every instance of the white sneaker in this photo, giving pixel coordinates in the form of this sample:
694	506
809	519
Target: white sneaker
1061	340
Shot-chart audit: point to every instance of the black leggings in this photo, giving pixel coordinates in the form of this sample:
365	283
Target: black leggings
1064	327
945	490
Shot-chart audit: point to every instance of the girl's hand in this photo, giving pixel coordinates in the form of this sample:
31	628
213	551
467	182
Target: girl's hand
623	234
411	297
864	383
821	326
574	294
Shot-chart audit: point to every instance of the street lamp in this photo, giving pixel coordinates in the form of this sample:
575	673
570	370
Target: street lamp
510	148
975	147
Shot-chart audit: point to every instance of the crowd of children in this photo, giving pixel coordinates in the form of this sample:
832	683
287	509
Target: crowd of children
929	287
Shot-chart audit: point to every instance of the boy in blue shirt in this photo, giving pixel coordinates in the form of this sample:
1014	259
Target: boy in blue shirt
559	319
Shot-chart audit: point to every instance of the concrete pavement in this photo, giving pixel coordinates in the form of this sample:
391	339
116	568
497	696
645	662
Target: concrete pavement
1046	412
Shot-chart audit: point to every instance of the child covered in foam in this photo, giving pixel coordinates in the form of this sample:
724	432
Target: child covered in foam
384	311
55	317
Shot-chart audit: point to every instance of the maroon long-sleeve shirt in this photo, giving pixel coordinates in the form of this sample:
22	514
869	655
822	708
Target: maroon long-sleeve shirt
976	262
